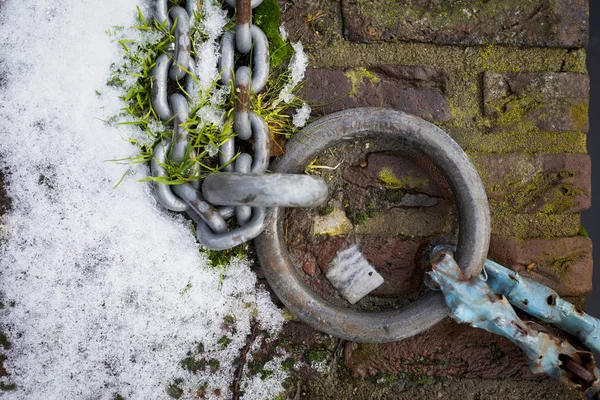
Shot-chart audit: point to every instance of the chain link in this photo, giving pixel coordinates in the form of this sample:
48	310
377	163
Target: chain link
246	171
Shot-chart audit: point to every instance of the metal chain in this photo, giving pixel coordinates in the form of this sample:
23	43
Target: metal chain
302	191
483	302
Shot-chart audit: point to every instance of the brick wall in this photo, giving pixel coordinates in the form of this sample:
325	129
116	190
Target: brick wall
507	80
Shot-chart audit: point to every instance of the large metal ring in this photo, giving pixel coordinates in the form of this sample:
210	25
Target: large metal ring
399	130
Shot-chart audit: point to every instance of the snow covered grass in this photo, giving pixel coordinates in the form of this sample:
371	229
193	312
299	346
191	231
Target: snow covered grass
211	116
104	294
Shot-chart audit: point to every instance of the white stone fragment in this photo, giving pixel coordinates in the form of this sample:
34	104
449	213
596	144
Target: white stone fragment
352	275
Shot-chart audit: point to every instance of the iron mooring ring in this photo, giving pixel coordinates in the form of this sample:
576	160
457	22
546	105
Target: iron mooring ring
400	130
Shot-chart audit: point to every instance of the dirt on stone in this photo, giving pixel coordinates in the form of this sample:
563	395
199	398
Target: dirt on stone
5	200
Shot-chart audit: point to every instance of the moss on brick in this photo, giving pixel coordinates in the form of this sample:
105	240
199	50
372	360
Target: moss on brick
572	142
391	181
443	15
579	115
267	17
466	66
357	78
525	226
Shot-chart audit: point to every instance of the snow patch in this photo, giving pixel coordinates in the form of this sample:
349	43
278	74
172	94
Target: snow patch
214	19
296	70
301	116
283	33
106	291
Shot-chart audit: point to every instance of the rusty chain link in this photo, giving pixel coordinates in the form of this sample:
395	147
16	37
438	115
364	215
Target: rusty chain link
243	183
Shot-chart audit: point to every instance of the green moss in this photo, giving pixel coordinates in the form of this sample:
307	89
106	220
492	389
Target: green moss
466	65
514	112
224	341
519	192
440	15
173	390
579	115
267	17
357	78
229	319
583	232
557	206
360	217
288	315
366	352
387	379
4	342
257	368
315	356
192	364
390	181
222	258
561	265
572	142
539	225
575	61
214	365
323	211
288	364
7	387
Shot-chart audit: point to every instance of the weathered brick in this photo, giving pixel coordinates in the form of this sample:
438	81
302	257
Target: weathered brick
515	183
316	349
416	90
547	23
447	349
554	102
547	183
564	265
389	170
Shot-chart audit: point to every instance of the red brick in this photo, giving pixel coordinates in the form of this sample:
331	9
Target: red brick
548	101
548	183
416	90
548	23
564	264
447	349
401	166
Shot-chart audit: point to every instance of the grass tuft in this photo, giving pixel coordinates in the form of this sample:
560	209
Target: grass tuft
141	46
